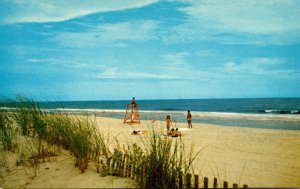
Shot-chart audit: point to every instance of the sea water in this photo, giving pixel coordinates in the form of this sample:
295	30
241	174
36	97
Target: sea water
270	113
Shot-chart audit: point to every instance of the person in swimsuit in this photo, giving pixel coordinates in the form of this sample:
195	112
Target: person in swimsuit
189	119
133	101
175	133
168	123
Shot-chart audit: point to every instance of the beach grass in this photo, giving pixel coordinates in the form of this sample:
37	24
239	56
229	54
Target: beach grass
159	163
31	120
7	131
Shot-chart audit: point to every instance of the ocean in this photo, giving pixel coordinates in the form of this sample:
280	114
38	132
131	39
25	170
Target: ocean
267	113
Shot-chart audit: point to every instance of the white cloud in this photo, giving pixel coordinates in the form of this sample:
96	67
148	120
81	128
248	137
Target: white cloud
207	53
50	61
253	65
261	66
19	11
176	64
116	34
117	73
239	22
175	59
131	31
69	63
179	68
180	65
247	16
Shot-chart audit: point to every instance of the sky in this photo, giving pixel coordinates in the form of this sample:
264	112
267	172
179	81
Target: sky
149	49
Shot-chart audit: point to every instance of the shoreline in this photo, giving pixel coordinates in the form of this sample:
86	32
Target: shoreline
248	121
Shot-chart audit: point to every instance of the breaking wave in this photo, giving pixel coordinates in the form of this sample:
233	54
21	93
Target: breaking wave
279	111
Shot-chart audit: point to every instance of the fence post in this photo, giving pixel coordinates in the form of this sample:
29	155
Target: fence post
143	175
225	185
180	180
109	165
127	167
235	186
112	168
215	183
205	182
129	170
119	168
98	165
196	177
133	170
138	175
173	181
124	165
188	180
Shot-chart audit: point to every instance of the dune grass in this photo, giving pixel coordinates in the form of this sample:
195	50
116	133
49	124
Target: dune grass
159	163
31	120
7	131
163	163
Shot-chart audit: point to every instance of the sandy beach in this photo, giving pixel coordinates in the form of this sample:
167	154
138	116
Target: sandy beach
256	157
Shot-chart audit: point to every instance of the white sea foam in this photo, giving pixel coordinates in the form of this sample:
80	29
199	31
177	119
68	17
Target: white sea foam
270	117
91	110
196	114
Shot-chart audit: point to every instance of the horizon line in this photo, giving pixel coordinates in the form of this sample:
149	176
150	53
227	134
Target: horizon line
217	98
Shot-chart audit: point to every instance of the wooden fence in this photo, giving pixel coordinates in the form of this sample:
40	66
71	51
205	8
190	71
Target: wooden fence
124	167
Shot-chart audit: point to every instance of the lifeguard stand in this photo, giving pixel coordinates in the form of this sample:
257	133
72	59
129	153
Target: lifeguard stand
132	114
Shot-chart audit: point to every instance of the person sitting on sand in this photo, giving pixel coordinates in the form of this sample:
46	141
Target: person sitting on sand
175	132
168	123
178	132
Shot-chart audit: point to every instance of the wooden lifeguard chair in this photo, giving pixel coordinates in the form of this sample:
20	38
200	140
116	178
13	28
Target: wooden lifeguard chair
132	114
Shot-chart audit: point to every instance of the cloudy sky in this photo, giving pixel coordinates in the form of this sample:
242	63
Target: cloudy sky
150	49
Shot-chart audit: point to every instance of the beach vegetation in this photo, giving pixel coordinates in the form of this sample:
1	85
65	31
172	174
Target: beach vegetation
31	119
158	163
7	131
162	163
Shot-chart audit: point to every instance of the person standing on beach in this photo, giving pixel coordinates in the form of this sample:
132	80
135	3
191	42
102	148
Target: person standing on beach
189	119
168	122
133	101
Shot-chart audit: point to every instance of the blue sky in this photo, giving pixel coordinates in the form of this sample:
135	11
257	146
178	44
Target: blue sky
150	49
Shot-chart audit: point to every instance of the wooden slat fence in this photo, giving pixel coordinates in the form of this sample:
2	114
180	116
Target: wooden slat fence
125	167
